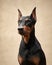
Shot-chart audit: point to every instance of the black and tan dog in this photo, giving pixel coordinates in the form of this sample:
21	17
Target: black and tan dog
30	51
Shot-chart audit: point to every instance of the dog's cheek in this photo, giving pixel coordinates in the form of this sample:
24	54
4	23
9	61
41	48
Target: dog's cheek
27	29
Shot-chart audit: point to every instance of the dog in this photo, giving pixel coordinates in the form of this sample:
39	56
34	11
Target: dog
30	50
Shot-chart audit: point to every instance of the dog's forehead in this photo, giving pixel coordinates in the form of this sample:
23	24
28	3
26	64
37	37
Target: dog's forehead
25	17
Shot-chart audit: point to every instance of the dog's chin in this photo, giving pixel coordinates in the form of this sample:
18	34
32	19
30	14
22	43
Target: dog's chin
20	32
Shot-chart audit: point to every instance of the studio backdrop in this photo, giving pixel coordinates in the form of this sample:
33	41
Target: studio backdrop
9	37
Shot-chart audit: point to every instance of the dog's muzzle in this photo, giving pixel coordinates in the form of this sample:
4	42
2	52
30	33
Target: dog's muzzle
21	26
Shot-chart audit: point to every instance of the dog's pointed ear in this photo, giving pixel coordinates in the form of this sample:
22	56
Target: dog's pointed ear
33	14
19	14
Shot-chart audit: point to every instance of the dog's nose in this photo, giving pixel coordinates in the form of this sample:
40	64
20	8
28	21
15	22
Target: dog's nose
20	28
20	31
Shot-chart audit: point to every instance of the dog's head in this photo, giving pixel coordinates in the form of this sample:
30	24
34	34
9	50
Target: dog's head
26	21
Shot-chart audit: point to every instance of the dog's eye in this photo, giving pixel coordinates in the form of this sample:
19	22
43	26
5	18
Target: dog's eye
28	23
29	20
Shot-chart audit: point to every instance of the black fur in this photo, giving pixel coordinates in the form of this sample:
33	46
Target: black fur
27	63
33	48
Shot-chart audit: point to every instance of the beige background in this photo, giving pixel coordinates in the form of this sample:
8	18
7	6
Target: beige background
9	37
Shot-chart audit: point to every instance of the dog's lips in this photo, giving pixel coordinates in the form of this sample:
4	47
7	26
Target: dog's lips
26	35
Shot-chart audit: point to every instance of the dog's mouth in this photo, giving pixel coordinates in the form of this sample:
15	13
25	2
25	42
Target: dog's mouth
22	32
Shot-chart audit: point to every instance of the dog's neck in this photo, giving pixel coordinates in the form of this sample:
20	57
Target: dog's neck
32	34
